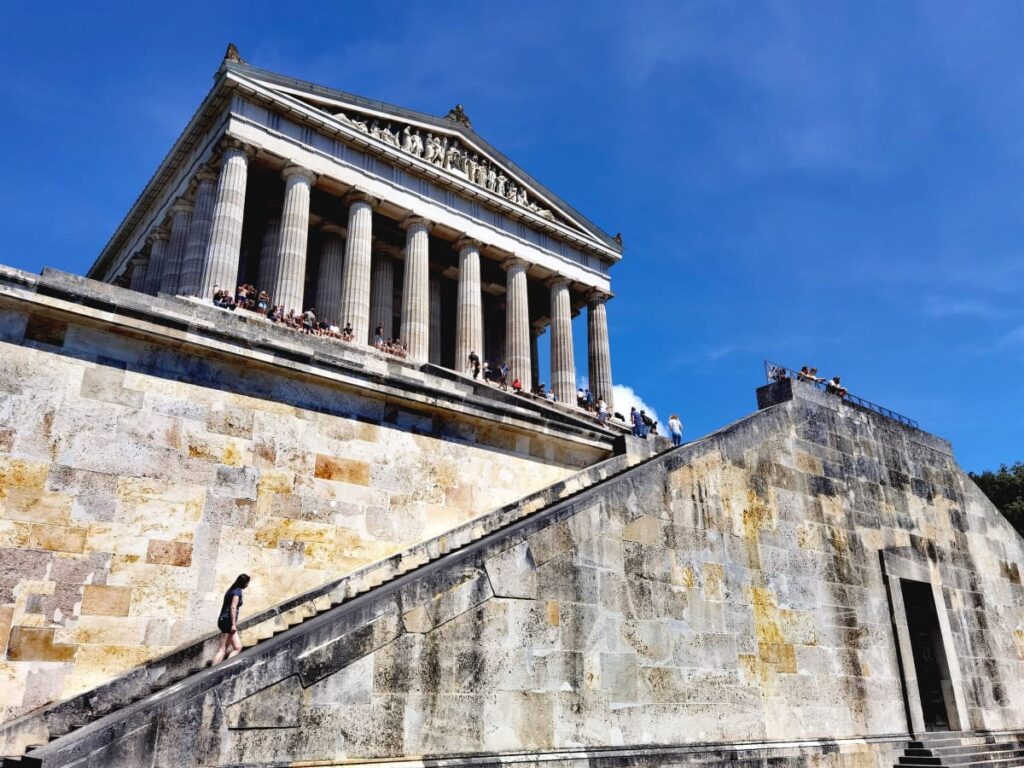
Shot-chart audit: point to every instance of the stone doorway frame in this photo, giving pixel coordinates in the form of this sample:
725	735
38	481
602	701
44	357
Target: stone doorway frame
907	564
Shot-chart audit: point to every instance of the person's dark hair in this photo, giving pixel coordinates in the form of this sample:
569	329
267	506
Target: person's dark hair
241	582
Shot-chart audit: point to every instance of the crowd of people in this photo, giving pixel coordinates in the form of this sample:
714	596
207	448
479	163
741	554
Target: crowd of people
809	374
832	386
248	298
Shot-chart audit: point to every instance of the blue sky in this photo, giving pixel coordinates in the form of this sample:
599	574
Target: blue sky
831	183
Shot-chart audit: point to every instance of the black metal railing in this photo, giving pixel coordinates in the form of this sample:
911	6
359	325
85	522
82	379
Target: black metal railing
773	373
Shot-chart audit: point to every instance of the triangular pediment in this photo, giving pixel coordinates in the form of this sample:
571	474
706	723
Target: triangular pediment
441	144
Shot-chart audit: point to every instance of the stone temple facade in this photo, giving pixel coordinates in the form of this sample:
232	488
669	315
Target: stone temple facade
375	216
445	573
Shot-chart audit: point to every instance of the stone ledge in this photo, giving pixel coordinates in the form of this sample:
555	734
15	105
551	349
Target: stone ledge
208	331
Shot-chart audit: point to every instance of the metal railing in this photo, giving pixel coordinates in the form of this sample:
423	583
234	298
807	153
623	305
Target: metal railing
773	373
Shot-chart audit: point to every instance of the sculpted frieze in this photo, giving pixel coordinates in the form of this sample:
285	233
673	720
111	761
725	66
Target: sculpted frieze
446	153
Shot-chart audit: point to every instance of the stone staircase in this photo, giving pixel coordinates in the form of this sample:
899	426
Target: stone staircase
964	750
21	736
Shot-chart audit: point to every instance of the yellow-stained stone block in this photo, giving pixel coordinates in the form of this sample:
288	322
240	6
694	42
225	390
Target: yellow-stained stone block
344	470
35	506
714	579
105	630
37	644
58	538
221	449
645	530
14	533
105	600
682	576
275	481
810	464
22	473
178	553
6	617
158	601
552	612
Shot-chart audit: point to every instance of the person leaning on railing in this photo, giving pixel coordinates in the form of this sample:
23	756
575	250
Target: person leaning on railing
835	388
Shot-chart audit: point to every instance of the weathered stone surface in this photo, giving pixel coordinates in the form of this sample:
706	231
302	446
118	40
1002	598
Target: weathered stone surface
696	599
138	478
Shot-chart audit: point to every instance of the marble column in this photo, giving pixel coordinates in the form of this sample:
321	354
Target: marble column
469	318
193	264
382	286
157	249
416	289
563	366
266	271
139	263
517	321
599	351
181	218
434	354
289	281
328	281
355	275
220	266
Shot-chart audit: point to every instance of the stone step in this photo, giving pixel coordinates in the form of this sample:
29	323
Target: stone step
986	756
965	749
998	758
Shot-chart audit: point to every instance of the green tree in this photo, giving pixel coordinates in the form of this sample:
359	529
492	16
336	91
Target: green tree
1005	489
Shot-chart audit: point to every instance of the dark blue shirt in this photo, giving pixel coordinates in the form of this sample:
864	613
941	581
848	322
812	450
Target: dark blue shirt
225	609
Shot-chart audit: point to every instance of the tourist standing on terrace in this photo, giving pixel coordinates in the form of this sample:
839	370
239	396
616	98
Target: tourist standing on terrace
675	428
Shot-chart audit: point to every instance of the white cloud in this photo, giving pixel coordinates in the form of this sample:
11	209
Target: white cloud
626	398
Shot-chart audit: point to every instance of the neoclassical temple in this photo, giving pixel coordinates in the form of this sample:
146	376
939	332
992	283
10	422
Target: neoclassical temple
371	214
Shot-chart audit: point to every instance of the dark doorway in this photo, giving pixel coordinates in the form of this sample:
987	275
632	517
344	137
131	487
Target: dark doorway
933	679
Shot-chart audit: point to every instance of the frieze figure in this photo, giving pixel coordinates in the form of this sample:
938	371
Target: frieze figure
450	155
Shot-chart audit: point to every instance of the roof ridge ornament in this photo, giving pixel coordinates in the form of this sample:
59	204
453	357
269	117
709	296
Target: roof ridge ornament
458	115
231	54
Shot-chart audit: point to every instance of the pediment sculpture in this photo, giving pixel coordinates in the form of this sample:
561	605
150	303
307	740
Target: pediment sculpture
446	153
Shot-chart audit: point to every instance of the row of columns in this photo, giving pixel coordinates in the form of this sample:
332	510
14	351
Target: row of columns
201	249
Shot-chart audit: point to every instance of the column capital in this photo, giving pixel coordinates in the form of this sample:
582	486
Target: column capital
514	261
464	242
331	228
205	173
356	195
596	295
416	221
157	235
181	205
388	249
554	280
231	144
140	259
298	170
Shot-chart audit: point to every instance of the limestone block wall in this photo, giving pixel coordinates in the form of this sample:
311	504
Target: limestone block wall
730	598
137	479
